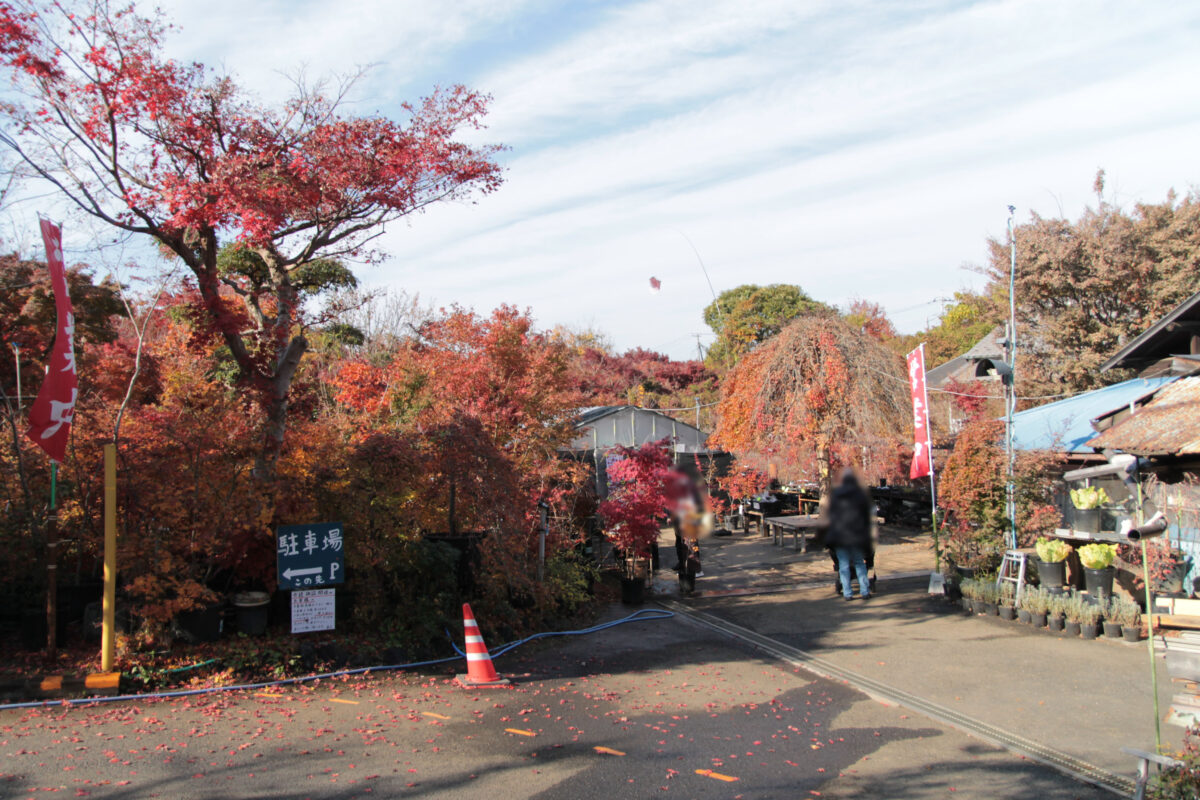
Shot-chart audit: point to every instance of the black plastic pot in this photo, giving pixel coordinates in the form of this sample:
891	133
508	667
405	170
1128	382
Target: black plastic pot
1099	581
1087	520
202	624
1023	615
1172	582
1133	634
633	591
1052	574
990	609
1055	623
1072	628
1112	629
1008	612
1037	620
1089	631
252	612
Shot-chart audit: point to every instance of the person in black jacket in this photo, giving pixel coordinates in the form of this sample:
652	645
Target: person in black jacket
849	532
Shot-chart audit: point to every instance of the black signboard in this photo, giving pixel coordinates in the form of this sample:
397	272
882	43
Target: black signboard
309	556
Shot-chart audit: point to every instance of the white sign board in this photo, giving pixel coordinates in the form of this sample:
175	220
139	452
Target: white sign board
312	610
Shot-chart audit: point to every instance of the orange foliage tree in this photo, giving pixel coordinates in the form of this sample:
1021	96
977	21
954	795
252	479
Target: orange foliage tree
475	411
818	389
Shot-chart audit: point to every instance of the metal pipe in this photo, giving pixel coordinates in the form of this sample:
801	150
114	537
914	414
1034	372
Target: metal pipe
109	605
1010	395
1150	625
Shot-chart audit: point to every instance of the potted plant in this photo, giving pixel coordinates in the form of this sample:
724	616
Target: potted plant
1111	612
968	587
1023	605
1008	594
1073	611
990	595
1167	566
1131	621
1087	501
643	488
1037	601
1089	618
1055	609
1052	556
1097	559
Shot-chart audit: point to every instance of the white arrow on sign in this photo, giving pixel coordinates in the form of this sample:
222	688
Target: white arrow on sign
290	573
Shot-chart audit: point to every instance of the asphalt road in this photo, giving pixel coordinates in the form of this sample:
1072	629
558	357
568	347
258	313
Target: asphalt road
647	709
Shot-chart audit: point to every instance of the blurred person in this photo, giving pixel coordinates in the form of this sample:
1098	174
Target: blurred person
848	533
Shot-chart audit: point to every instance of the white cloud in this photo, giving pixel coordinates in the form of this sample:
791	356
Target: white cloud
858	149
263	41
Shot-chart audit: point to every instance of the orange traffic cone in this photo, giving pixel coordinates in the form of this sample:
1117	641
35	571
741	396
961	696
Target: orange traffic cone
480	672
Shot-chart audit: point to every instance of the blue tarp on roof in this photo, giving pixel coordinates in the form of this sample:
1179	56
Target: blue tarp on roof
1066	425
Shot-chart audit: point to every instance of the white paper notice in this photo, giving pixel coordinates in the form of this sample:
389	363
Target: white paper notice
312	610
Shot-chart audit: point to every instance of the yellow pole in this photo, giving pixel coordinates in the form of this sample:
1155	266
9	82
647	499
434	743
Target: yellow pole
109	633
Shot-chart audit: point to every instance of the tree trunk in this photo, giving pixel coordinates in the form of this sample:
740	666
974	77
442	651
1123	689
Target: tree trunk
277	406
825	470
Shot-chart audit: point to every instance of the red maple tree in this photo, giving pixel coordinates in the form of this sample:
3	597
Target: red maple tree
260	203
645	488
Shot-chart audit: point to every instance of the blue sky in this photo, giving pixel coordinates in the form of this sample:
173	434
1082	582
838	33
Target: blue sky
858	149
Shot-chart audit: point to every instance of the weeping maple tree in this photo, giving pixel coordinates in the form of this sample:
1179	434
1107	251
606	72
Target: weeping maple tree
821	390
263	204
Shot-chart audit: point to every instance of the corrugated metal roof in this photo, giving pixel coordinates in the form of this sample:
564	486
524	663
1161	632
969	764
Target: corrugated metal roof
593	413
1066	425
1167	425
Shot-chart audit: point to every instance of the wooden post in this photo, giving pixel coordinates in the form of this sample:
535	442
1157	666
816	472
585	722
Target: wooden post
108	636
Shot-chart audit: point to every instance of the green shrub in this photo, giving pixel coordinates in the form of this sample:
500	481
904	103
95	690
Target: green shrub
1129	614
1111	610
1052	550
1072	607
1097	555
1035	600
1087	497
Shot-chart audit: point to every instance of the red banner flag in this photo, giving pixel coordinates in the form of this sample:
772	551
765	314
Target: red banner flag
51	413
922	463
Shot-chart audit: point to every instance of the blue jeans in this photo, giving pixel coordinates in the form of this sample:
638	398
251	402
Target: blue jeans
845	556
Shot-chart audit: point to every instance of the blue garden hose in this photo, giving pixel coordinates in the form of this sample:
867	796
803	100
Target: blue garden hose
644	615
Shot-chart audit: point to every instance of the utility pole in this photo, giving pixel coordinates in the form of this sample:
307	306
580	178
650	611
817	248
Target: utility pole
1010	396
